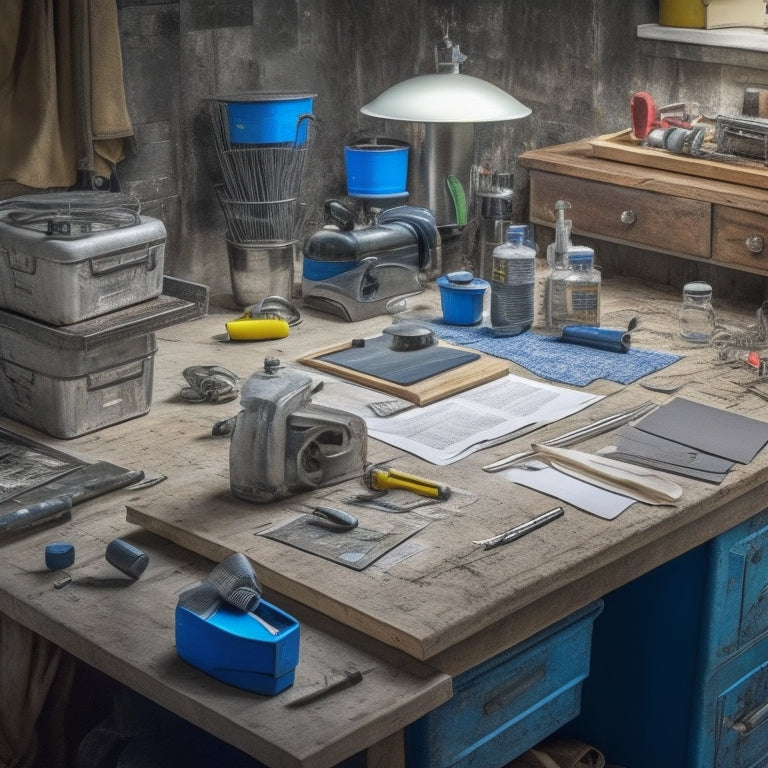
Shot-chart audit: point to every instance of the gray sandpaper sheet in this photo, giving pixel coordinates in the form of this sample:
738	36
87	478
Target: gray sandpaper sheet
648	450
355	549
709	429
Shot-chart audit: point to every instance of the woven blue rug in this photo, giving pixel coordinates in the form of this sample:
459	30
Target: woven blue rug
552	359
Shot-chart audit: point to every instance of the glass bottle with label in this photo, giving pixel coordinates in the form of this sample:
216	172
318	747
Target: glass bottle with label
575	291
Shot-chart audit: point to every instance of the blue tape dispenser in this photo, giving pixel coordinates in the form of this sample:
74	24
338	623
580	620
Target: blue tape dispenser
226	629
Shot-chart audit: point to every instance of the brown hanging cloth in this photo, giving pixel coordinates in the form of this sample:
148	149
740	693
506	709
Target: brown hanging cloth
63	116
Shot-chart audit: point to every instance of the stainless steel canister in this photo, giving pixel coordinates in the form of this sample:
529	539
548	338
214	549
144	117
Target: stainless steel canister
261	269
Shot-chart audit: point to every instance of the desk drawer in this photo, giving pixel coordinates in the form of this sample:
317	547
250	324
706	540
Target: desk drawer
624	214
511	702
730	721
738	589
735	232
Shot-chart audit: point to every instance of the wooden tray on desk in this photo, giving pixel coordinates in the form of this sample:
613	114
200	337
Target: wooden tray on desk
431	390
623	148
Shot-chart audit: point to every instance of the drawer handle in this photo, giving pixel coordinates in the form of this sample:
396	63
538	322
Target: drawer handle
751	720
515	688
628	217
755	243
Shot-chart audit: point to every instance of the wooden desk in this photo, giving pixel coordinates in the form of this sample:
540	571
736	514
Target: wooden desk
448	603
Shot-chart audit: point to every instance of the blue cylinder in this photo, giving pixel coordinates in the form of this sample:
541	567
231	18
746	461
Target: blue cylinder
376	168
269	118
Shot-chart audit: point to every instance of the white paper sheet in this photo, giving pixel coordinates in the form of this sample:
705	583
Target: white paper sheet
451	429
558	485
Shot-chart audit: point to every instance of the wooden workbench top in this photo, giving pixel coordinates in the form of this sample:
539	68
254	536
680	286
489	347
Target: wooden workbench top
441	598
126	629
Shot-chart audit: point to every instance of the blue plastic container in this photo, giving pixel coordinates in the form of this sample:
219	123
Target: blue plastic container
269	118
376	168
236	649
461	297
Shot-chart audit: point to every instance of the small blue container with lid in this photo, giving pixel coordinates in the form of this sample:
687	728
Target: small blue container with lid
461	297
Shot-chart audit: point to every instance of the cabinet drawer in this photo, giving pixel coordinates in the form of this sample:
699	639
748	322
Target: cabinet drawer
626	215
730	720
738	590
506	705
733	229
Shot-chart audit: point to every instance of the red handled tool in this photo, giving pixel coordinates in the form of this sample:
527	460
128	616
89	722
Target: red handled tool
645	116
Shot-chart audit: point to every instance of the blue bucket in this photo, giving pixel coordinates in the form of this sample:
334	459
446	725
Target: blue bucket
269	118
376	167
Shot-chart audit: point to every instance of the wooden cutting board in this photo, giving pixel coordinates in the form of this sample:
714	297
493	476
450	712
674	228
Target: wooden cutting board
480	371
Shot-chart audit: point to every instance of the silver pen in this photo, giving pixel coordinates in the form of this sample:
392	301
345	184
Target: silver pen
521	530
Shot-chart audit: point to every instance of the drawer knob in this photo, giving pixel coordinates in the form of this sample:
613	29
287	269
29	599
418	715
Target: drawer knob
755	243
628	217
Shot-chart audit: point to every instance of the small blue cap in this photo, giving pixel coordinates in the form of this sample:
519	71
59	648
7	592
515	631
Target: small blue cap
59	555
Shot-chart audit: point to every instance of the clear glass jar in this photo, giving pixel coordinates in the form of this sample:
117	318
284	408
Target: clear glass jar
696	317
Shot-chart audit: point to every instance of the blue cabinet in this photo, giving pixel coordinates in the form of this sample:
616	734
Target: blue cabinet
680	661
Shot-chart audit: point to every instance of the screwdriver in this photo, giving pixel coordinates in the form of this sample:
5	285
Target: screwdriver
387	479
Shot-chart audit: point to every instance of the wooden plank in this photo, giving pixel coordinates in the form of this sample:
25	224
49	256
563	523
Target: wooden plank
623	148
430	390
126	629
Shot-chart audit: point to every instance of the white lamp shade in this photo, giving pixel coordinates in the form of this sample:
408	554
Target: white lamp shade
446	98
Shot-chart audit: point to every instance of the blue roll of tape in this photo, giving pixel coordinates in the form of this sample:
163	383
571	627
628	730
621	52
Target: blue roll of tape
59	555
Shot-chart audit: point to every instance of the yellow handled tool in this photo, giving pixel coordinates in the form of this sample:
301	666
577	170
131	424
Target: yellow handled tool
387	479
247	328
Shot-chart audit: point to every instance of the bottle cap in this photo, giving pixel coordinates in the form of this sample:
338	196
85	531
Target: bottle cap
581	256
59	555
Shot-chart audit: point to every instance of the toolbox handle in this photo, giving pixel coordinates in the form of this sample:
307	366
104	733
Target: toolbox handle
117	260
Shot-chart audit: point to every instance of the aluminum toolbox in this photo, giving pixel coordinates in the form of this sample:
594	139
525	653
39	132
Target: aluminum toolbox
71	380
66	274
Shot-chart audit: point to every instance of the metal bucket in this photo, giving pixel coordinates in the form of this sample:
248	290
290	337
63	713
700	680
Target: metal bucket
261	269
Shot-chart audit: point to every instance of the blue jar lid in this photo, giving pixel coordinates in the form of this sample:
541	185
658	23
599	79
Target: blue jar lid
462	281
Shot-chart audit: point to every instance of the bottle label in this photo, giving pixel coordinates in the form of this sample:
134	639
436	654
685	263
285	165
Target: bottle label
583	304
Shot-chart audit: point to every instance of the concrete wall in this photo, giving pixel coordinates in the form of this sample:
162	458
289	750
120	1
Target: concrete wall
576	64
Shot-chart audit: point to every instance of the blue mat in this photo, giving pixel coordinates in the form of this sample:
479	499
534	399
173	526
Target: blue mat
552	359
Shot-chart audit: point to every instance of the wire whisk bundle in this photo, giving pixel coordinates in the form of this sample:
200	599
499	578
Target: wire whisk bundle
260	182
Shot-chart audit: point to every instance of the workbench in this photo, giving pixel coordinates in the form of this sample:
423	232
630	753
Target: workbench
413	623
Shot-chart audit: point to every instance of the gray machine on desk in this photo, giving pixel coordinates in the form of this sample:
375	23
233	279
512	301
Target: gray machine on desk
283	444
355	272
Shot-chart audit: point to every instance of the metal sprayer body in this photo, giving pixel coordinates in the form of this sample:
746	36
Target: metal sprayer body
283	444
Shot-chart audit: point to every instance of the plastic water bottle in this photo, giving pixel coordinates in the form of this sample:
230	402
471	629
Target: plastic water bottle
513	283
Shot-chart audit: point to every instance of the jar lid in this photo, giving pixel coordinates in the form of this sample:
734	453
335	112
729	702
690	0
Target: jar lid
697	289
462	281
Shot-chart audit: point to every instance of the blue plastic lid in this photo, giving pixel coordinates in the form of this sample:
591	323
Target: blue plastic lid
462	281
59	555
583	257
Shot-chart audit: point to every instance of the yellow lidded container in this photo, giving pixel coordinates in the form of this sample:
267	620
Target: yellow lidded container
711	14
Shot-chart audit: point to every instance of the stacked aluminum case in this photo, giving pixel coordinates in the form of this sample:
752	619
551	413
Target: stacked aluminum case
68	260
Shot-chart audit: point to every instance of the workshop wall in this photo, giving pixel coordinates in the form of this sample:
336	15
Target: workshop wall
575	64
